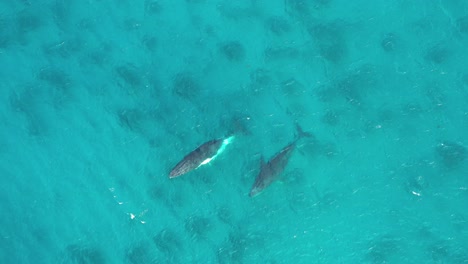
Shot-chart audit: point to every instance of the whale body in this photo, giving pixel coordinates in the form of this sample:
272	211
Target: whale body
200	156
270	171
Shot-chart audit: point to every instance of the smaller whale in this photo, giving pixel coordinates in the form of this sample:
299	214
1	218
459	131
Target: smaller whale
202	155
270	171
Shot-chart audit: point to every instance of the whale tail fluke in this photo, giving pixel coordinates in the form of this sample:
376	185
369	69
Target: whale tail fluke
301	134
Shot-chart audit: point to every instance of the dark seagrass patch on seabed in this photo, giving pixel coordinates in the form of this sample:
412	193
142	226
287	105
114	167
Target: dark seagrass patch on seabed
451	154
6	36
239	245
29	102
140	254
233	50
66	48
56	78
225	215
353	88
278	25
198	226
81	254
447	251
331	118
438	53
28	21
186	86
382	249
331	40
131	118
298	9
129	74
462	25
150	42
98	57
293	87
168	242
260	79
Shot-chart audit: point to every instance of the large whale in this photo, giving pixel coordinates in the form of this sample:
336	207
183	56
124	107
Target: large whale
202	155
270	171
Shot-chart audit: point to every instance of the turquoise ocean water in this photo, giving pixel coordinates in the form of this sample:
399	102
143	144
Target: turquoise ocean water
100	99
